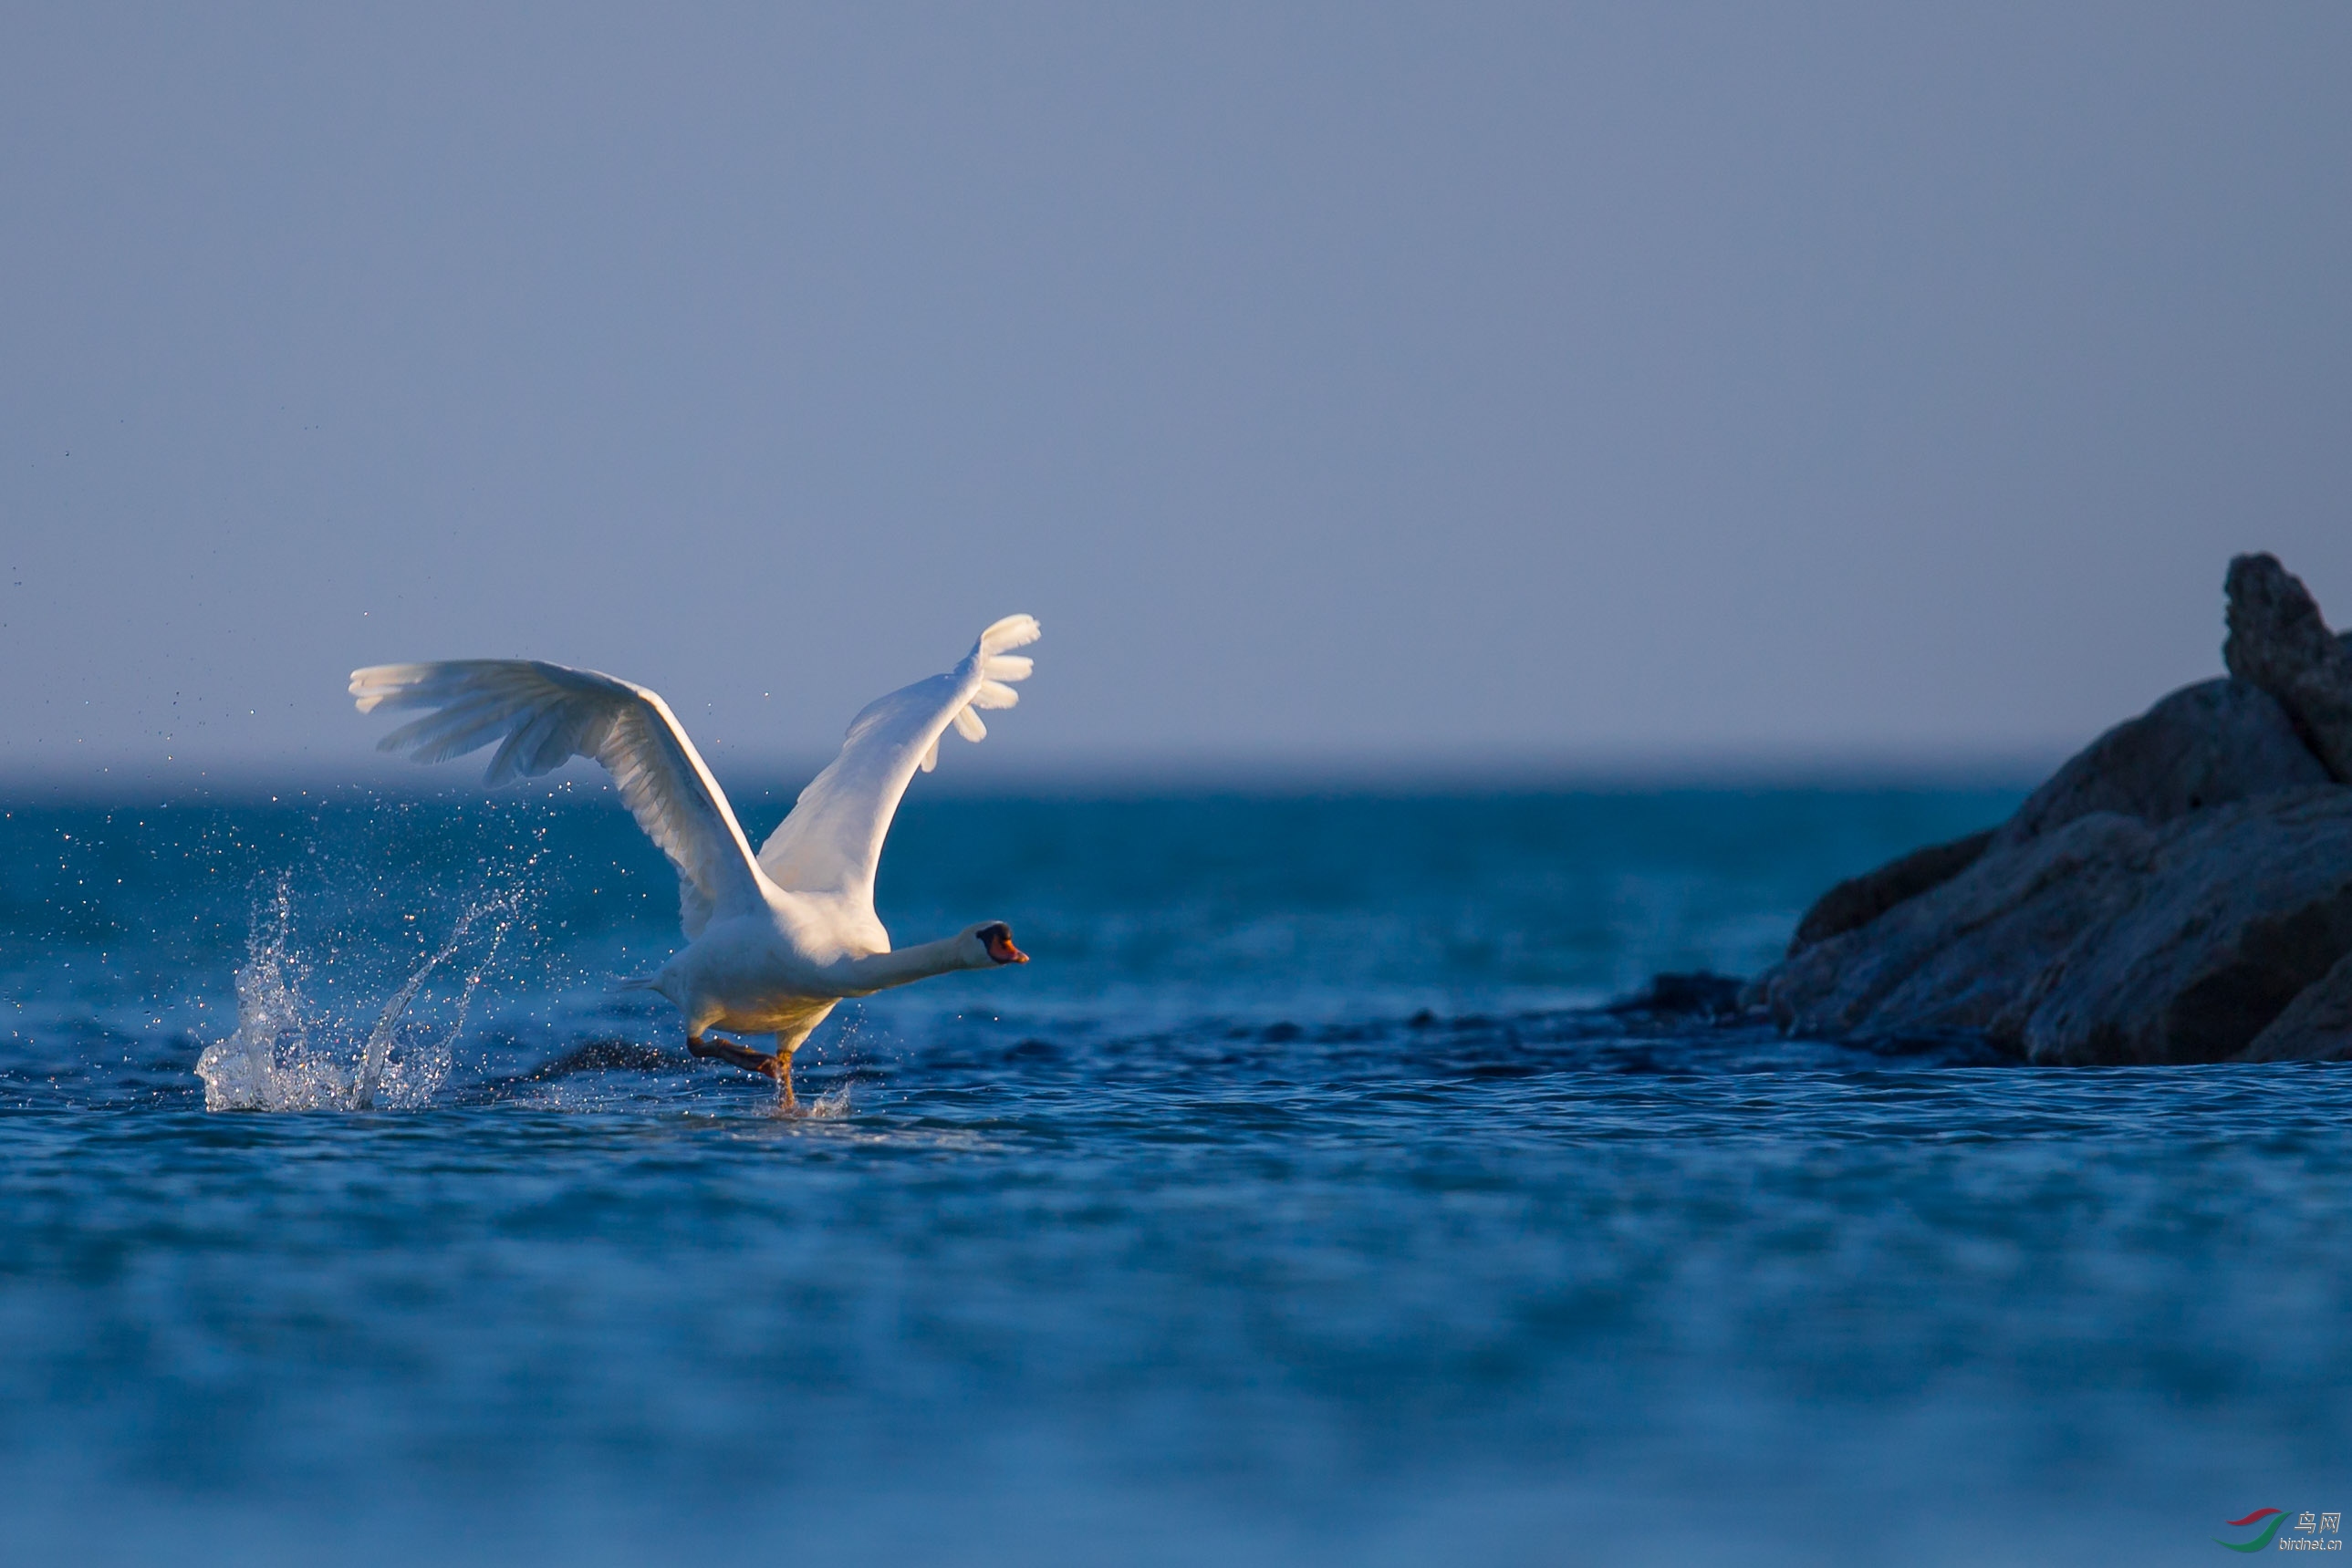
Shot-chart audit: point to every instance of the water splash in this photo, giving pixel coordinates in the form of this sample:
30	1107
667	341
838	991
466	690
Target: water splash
289	1054
832	1105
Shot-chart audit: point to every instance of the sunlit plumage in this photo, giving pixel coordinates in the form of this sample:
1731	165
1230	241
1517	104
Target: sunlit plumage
773	940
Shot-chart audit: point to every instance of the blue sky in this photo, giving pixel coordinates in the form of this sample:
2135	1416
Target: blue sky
1445	386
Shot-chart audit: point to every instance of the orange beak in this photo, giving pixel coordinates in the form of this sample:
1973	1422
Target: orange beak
1000	948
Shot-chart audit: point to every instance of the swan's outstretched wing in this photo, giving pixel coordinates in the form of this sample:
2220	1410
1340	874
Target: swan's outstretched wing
545	714
833	840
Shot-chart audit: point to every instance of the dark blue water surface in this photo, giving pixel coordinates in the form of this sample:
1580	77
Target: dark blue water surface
1299	1203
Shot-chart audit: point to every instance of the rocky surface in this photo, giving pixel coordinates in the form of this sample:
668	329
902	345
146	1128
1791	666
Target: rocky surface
2180	891
2316	1027
2278	641
2206	745
1859	900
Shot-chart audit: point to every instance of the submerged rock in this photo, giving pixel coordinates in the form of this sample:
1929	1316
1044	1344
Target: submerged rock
1698	993
2179	890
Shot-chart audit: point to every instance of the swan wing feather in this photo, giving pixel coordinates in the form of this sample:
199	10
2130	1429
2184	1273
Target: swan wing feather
832	842
541	716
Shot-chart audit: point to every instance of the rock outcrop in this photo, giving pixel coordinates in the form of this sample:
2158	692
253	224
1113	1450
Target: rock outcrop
1859	900
2316	1027
2278	642
2106	940
2180	891
2211	744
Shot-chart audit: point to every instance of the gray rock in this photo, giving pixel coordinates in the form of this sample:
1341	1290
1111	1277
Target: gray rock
2236	912
2206	745
2316	1027
2180	891
1968	955
2103	940
2278	641
1859	900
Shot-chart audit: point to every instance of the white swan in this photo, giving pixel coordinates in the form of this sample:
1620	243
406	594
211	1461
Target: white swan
773	942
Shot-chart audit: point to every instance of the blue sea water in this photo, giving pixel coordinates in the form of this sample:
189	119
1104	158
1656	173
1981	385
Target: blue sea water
1302	1202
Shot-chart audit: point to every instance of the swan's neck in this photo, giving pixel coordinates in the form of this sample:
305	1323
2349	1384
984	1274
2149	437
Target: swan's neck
880	971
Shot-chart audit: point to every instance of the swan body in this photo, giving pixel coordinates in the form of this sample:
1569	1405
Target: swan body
775	939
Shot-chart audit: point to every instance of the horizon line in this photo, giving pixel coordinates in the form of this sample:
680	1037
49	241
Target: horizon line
1127	776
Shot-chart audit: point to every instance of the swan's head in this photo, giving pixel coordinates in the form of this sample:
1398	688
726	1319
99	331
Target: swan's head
991	945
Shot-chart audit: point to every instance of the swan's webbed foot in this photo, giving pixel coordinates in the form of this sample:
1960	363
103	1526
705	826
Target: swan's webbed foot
742	1056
